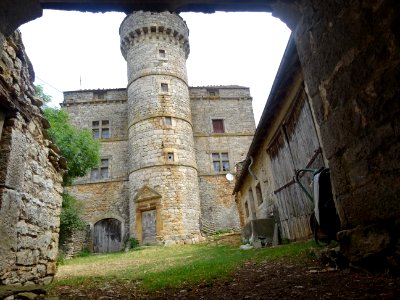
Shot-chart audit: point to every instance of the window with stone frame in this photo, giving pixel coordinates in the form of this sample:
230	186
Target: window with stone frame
164	87
103	171
259	195
212	92
218	125
246	208
220	161
101	129
161	53
100	95
170	156
168	121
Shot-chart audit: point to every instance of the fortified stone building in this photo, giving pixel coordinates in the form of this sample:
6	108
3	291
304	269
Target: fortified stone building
165	147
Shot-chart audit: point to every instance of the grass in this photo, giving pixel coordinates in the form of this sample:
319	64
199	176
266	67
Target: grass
166	267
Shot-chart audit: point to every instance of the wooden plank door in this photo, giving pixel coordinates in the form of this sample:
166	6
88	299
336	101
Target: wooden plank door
107	236
149	227
295	147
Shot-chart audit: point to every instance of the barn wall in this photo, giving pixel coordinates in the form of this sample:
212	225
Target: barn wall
275	163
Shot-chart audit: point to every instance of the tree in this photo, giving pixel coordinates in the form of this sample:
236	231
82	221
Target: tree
78	147
82	153
40	94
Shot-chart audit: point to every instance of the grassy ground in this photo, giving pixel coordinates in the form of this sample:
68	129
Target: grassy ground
156	268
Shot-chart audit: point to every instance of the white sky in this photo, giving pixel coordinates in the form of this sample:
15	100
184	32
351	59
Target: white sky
73	50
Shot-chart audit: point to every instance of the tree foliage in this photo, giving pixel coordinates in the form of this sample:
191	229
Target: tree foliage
82	153
40	93
70	220
78	147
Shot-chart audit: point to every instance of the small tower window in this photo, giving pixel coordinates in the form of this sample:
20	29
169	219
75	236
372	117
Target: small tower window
161	53
170	156
168	121
164	87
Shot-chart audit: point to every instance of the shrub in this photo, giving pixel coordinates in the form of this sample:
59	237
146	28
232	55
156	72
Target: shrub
133	243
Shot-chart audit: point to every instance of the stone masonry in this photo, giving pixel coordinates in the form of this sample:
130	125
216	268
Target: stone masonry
30	176
162	142
162	158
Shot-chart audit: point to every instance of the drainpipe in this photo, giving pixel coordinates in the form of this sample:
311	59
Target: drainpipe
249	168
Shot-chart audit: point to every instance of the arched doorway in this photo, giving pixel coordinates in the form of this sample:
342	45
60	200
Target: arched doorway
107	235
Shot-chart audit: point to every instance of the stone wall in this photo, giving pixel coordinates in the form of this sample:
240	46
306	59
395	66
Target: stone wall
350	55
102	198
30	176
232	104
162	157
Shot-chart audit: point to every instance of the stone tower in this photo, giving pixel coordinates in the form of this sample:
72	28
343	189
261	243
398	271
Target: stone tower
164	194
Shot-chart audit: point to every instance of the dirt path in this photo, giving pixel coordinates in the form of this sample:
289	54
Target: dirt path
299	278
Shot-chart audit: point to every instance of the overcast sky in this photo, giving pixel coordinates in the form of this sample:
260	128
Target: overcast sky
73	50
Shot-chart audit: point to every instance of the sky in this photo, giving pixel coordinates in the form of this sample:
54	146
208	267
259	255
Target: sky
73	50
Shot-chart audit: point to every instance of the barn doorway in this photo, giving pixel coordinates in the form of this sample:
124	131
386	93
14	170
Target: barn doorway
107	236
149	226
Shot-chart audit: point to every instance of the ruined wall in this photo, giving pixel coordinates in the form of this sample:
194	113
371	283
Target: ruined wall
350	54
232	104
30	176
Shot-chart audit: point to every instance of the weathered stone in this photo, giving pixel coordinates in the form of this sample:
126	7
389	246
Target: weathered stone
366	246
30	199
27	295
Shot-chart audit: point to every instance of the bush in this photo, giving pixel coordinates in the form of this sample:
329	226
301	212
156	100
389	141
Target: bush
133	243
70	220
84	253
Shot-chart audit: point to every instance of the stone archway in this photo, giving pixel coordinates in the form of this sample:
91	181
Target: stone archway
349	53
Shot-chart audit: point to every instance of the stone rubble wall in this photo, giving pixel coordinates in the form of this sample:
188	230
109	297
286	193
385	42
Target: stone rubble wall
234	106
351	67
30	176
218	204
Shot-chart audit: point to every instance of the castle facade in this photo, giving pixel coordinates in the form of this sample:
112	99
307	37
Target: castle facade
165	147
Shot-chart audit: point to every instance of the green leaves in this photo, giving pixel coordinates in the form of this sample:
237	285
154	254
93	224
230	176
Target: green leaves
69	219
77	146
40	94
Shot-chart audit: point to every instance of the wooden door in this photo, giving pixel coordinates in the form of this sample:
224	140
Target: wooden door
107	236
295	147
149	226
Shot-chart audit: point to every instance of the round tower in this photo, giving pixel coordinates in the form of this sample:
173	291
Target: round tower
164	193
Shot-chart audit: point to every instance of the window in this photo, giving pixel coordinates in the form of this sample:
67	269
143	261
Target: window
101	95
246	207
164	87
168	121
252	205
212	92
220	162
101	129
170	156
101	172
259	195
161	53
2	117
218	125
